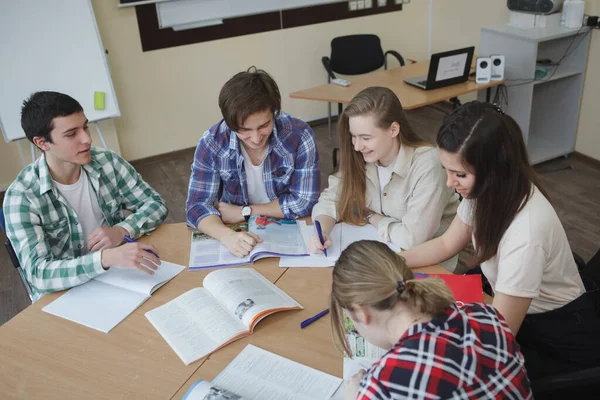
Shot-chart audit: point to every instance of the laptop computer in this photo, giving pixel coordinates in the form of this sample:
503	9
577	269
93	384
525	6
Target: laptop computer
445	69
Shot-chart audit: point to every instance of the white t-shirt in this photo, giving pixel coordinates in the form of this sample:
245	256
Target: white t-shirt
82	198
534	259
257	192
384	174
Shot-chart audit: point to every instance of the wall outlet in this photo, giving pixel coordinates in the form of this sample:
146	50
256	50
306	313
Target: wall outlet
360	4
352	5
368	3
382	3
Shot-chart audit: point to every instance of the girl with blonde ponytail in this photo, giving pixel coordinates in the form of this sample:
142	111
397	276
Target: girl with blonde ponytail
436	349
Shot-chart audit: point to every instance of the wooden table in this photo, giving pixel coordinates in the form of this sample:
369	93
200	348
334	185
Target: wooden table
281	334
44	356
410	96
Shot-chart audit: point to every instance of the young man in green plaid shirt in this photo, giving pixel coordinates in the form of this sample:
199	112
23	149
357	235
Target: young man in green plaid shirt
68	212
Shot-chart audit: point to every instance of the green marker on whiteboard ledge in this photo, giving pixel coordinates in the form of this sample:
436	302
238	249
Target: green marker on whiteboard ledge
99	100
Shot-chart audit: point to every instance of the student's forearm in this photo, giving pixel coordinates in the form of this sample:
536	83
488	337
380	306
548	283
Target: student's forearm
327	223
271	209
429	253
213	226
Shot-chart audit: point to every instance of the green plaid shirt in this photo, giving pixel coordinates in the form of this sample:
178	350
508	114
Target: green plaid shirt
45	230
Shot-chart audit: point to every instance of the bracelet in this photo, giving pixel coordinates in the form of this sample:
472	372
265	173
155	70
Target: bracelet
368	217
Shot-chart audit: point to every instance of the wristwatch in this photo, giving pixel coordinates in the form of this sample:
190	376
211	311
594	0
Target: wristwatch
246	211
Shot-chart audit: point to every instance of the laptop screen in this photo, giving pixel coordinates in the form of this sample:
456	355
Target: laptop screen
451	67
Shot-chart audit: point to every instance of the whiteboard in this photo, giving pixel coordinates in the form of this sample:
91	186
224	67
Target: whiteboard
183	12
51	45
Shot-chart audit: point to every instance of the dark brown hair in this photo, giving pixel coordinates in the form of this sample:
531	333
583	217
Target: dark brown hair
247	93
368	273
490	145
386	109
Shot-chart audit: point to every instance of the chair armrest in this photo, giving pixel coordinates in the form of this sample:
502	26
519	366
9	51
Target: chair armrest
395	54
330	74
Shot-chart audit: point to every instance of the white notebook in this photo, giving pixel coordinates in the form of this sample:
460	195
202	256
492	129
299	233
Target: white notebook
108	299
256	374
342	235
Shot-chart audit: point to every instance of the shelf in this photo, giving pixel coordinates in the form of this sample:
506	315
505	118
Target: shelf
541	150
557	75
534	34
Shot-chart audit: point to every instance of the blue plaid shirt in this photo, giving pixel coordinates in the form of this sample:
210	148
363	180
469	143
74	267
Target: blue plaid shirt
291	170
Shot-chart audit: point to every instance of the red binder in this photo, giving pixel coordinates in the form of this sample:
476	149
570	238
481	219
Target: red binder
466	288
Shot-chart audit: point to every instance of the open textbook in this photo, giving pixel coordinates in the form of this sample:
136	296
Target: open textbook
341	236
227	308
109	298
256	374
281	237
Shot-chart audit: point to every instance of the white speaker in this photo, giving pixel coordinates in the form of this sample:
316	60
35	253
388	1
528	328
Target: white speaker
497	73
484	70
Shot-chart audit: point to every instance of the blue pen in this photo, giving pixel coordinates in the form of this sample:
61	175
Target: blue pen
309	321
130	240
320	233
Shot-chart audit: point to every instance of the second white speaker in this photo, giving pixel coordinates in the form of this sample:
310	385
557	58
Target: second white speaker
497	64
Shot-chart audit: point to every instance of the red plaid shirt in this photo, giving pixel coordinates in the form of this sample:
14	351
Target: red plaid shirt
463	353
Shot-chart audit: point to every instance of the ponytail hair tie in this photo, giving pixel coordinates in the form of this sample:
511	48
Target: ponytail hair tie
498	108
400	286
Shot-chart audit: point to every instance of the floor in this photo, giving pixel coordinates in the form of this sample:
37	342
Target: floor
573	183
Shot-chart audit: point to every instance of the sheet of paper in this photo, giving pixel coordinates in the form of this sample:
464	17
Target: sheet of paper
246	294
316	260
194	324
96	305
257	374
139	281
342	235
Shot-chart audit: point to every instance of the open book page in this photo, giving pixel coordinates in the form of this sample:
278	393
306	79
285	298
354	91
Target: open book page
203	390
96	305
139	281
207	252
364	354
280	236
342	235
261	375
247	295
195	324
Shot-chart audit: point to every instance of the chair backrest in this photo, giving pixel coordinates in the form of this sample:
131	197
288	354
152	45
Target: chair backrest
356	54
2	221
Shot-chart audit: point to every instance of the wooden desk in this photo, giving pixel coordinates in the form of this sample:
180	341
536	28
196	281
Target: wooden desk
410	96
43	356
281	334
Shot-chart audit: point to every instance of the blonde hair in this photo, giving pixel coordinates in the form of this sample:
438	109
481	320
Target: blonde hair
369	273
385	107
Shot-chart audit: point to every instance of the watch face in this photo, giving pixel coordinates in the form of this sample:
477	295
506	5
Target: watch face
246	211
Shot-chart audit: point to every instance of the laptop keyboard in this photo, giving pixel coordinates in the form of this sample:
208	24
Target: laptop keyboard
422	83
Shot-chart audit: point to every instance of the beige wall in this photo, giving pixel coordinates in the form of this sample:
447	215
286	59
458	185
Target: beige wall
588	132
168	97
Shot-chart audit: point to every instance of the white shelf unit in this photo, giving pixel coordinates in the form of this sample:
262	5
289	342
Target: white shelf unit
547	109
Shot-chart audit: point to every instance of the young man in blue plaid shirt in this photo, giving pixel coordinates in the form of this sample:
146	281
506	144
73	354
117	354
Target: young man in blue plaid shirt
66	212
256	161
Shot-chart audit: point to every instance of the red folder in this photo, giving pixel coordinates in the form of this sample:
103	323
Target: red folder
466	288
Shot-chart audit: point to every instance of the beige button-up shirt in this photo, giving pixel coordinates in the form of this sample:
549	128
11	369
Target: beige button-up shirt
416	203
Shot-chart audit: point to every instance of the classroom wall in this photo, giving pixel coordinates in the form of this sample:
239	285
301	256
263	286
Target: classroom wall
588	132
169	97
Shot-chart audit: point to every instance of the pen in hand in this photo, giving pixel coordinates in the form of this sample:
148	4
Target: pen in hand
320	233
310	320
128	239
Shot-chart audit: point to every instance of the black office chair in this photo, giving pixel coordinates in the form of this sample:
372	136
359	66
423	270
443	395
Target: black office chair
15	261
354	55
585	383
